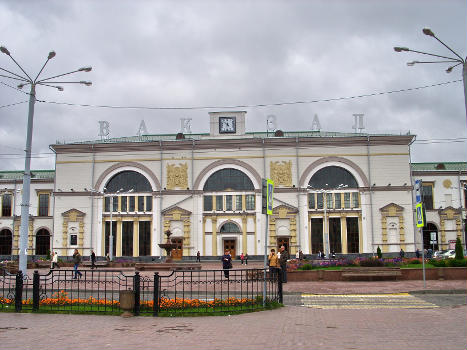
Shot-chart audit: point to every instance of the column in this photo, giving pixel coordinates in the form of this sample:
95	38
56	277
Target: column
214	236
344	234
119	237
244	236
135	237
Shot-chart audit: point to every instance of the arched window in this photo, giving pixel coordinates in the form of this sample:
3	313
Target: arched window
332	177
5	242
42	242
229	227
228	179
128	180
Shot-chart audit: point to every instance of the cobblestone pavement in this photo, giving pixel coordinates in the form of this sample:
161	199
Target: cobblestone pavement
331	322
291	327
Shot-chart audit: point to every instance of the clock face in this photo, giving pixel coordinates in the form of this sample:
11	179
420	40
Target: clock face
227	125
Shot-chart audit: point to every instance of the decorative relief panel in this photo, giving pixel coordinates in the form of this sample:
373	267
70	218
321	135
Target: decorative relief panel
177	176
281	173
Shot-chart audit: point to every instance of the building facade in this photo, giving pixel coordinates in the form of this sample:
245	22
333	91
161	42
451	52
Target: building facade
334	192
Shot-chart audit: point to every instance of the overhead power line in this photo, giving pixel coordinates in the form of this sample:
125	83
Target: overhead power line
254	105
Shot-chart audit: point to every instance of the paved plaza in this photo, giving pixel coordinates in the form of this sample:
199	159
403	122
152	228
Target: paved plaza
316	315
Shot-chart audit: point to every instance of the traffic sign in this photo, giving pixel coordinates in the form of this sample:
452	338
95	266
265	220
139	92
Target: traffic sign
267	196
418	191
433	236
419	211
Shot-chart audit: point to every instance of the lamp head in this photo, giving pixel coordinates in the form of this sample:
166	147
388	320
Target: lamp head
427	31
449	70
85	69
4	50
87	83
51	55
400	49
20	86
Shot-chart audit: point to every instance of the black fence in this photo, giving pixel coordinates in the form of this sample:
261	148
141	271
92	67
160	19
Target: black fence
176	293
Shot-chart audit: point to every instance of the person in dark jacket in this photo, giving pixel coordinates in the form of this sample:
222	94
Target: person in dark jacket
93	260
226	263
76	262
283	263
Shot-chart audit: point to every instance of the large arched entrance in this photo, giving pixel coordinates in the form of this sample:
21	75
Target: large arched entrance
5	242
334	208
427	230
128	199
42	242
230	244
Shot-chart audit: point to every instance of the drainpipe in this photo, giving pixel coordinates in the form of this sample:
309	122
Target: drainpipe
55	190
160	198
300	219
371	196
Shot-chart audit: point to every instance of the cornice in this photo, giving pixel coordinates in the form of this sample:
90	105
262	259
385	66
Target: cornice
241	143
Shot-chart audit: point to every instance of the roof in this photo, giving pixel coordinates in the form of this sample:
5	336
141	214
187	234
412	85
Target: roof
437	166
205	136
35	174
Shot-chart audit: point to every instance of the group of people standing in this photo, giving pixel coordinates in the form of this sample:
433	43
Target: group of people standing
278	262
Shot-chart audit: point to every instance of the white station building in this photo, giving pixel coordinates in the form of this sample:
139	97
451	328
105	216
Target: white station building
343	193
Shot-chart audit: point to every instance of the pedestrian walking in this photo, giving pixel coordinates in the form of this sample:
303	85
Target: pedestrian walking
93	260
246	259
300	255
226	263
273	260
417	253
283	263
76	262
242	258
54	262
401	253
198	257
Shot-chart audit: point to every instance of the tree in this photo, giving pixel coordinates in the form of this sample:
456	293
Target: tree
459	250
378	252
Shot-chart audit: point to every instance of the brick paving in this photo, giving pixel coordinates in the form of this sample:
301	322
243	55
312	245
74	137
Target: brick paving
290	327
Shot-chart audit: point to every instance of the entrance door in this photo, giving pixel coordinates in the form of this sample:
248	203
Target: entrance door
5	242
316	235
335	235
42	242
177	253
283	241
127	238
427	230
229	244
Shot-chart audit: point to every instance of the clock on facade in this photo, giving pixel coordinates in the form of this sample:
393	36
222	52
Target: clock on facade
227	125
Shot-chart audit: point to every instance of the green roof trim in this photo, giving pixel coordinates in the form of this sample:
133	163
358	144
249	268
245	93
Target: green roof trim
440	166
18	174
204	136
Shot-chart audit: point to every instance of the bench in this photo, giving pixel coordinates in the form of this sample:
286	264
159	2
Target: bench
97	263
167	266
364	273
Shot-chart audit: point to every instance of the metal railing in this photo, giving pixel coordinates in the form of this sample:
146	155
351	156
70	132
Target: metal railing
177	293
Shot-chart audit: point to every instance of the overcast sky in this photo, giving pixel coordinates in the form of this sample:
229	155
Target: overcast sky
230	53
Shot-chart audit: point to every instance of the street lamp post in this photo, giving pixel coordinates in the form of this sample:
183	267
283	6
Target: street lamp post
24	81
456	61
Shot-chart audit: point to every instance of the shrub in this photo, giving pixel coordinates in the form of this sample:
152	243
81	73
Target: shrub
306	267
371	262
457	262
414	261
378	252
459	250
437	262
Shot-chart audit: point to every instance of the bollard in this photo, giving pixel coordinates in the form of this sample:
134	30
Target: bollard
156	295
137	292
127	302
35	291
19	291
